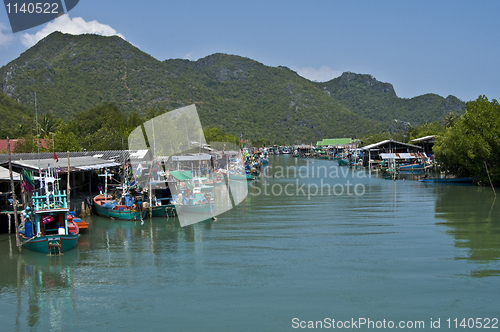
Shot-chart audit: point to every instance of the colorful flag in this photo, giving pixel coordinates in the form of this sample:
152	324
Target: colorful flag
28	183
54	156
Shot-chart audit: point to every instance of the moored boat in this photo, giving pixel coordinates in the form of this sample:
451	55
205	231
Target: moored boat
447	180
82	225
45	227
343	162
107	207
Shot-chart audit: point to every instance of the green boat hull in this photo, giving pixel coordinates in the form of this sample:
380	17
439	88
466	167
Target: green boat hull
196	208
162	211
119	214
49	244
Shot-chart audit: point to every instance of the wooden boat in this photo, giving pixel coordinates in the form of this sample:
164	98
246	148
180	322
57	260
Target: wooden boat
343	162
198	203
447	180
162	211
411	167
106	207
82	225
45	226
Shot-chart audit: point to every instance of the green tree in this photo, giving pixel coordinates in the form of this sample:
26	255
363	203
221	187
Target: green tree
426	129
450	119
28	144
152	112
473	140
217	135
375	138
47	125
133	121
101	128
65	139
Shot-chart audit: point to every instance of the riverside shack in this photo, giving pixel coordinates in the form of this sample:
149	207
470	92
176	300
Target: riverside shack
373	153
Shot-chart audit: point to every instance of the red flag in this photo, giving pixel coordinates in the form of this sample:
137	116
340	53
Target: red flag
54	156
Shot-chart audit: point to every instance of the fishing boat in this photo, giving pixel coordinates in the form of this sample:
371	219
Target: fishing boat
123	209
195	202
45	226
343	162
410	167
447	180
82	225
167	210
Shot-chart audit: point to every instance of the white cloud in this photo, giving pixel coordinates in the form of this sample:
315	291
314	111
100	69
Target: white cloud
189	56
74	26
5	39
323	74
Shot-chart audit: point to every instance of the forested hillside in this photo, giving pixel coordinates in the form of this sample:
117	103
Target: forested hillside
72	74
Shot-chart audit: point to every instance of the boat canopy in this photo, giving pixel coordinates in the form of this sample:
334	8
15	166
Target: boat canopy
182	175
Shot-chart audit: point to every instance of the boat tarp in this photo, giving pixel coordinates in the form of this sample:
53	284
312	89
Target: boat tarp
182	175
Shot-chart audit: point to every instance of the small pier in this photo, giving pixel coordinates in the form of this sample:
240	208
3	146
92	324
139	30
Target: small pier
8	216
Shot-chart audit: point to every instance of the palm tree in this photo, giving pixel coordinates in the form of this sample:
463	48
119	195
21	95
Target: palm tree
450	119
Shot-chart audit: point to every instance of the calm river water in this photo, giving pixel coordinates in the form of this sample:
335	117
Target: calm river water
367	248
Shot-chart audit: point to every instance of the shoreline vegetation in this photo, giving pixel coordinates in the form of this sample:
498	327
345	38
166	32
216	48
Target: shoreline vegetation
465	146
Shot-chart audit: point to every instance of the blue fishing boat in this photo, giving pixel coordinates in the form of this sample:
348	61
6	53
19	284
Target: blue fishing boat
45	226
124	207
447	180
194	201
107	207
410	167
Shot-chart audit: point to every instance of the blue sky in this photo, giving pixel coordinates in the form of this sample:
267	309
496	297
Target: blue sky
443	47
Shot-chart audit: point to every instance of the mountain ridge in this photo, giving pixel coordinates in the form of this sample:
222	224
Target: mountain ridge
241	96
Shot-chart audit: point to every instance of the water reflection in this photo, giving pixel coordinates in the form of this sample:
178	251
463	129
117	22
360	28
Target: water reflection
472	215
45	289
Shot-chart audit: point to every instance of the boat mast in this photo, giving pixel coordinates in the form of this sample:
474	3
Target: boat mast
38	145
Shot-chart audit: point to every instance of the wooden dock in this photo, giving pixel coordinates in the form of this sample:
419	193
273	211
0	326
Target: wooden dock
9	217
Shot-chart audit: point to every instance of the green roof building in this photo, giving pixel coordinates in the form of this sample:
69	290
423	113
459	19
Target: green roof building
336	142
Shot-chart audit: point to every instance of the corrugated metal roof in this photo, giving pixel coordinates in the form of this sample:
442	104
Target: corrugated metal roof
115	155
374	145
425	138
5	175
76	163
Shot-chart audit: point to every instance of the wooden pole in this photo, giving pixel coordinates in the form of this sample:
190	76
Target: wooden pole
14	198
68	187
489	178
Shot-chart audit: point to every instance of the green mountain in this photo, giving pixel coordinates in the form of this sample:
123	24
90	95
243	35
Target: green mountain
16	118
375	100
71	74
